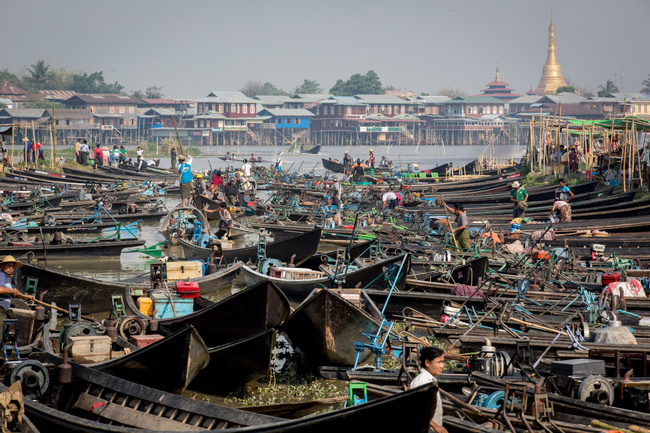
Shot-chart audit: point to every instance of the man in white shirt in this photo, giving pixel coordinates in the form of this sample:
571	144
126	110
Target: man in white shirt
390	200
247	168
432	363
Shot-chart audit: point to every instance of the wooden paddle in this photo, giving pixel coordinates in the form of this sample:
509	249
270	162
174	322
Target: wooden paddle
444	205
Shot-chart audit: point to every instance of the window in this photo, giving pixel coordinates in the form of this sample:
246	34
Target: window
131	110
389	109
111	109
278	120
245	108
132	122
296	121
500	110
318	111
287	121
252	109
122	109
220	108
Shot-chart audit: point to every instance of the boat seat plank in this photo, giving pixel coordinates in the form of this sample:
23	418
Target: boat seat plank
130	417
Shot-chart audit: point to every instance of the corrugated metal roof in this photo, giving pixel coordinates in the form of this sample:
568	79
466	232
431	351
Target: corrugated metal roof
474	100
97	98
227	97
24	113
294	112
382	99
67	113
432	99
8	88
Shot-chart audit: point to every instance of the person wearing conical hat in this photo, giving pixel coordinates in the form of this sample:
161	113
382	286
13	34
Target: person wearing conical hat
7	289
371	159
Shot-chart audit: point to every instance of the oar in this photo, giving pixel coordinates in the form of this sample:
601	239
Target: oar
45	304
444	205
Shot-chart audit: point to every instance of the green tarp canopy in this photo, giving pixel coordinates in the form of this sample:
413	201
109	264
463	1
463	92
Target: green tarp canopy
629	123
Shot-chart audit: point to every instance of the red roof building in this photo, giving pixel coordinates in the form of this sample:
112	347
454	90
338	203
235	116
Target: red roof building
498	89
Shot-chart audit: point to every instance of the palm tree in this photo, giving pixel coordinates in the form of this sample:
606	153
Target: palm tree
609	87
40	75
646	85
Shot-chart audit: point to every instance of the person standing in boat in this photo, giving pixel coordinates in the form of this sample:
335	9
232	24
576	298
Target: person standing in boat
7	289
231	190
389	200
358	171
371	159
336	191
247	168
462	224
519	196
347	164
563	192
185	180
225	219
432	364
173	155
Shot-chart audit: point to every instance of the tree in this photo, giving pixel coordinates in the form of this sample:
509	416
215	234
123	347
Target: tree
137	94
609	87
646	85
93	83
451	92
254	88
358	84
565	89
308	86
40	77
153	92
44	105
11	77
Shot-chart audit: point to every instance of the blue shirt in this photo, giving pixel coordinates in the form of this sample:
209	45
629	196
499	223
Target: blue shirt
5	281
185	169
563	192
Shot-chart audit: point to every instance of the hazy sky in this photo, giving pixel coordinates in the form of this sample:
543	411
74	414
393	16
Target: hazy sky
190	48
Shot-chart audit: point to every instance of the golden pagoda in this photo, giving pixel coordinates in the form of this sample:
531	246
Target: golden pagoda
552	72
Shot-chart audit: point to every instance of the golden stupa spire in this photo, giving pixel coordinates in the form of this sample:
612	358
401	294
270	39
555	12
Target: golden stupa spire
498	77
552	72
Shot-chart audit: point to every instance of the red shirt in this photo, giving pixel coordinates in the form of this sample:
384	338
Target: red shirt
216	180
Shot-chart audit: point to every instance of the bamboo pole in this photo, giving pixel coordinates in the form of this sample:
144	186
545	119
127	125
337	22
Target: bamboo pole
53	148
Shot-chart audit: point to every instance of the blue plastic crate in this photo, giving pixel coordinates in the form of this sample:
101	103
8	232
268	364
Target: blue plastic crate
163	307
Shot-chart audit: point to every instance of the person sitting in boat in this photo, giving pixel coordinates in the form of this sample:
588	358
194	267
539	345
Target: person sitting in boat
332	213
563	192
7	289
140	163
461	232
564	210
384	162
432	363
228	157
253	158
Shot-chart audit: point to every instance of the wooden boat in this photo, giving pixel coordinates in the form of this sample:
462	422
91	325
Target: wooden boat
95	402
169	364
103	248
95	295
336	167
367	276
302	246
179	223
237	363
361	249
245	313
312	150
324	327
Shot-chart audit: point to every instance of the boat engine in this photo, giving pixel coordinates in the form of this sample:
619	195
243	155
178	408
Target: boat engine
583	379
491	362
33	375
597	252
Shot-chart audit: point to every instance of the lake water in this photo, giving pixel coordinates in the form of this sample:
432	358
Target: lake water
131	264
